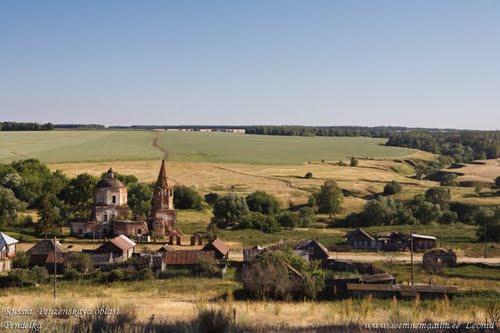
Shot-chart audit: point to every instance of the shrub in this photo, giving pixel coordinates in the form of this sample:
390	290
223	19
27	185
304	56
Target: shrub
115	275
186	198
207	267
448	217
262	202
21	260
308	175
71	274
450	179
259	221
80	262
354	162
229	210
288	220
306	216
144	274
211	198
393	187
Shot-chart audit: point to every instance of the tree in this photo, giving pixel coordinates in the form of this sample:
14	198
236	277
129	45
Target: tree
306	217
354	161
79	195
186	198
448	217
259	221
9	206
393	187
262	202
488	222
49	214
211	198
329	198
449	179
228	210
308	175
79	261
139	199
438	195
288	220
497	183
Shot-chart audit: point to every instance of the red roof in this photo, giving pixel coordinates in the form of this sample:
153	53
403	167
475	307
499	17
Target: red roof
187	257
219	245
123	242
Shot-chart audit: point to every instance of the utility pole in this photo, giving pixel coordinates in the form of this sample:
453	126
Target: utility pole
411	258
55	268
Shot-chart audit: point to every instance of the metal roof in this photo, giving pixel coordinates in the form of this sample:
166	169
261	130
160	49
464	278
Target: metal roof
6	240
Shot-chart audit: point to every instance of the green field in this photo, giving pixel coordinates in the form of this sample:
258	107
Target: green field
93	146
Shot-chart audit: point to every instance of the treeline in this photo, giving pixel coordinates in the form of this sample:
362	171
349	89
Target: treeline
462	146
79	126
379	131
17	126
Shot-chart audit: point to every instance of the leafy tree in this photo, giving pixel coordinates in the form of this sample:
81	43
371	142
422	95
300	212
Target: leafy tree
211	198
49	214
288	220
262	202
393	187
354	161
79	195
438	195
379	211
448	217
488	221
9	206
426	212
186	198
259	221
228	210
329	198
449	179
139	199
306	216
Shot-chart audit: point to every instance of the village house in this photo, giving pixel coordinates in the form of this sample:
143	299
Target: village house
220	248
47	253
7	251
392	241
312	250
121	247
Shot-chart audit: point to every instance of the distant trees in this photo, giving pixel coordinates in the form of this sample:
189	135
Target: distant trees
393	187
328	199
259	221
262	202
439	196
228	210
211	198
187	197
79	194
16	126
9	206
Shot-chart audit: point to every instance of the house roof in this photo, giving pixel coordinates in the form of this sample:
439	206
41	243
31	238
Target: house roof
101	258
6	240
58	257
187	257
305	244
424	237
45	246
123	242
109	181
162	181
219	245
370	278
360	231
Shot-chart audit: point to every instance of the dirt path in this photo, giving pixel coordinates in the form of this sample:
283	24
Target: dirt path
404	257
156	144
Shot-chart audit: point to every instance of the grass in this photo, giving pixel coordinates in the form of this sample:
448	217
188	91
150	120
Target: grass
85	146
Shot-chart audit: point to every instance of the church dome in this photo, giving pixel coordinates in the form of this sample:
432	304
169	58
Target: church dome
109	181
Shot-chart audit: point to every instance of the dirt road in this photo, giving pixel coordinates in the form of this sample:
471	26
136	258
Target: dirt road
402	257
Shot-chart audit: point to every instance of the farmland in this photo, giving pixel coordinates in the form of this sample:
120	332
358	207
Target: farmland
94	146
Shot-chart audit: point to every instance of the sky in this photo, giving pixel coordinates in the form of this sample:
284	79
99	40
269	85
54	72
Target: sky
371	63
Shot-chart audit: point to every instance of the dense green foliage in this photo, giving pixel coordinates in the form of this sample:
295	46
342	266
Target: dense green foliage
488	221
211	198
262	202
392	187
186	197
79	194
139	199
272	275
16	126
328	199
9	206
228	210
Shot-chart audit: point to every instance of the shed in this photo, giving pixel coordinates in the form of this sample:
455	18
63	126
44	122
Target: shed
187	258
220	248
121	247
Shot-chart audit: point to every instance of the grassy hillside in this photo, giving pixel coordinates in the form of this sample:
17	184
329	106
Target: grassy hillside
87	146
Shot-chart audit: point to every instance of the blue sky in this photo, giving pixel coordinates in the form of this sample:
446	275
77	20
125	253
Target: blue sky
408	63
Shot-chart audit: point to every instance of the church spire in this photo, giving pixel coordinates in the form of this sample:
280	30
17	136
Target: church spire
162	176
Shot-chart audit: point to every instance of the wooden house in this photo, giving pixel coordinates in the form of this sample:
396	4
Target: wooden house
46	253
361	240
220	248
311	250
423	242
7	251
121	247
187	258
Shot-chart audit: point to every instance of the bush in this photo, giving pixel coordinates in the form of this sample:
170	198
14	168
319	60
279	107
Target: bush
306	216
71	274
259	221
115	275
186	198
288	220
229	210
80	262
214	321
393	187
450	179
144	274
308	175
262	202
448	217
207	267
21	260
354	162
211	198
